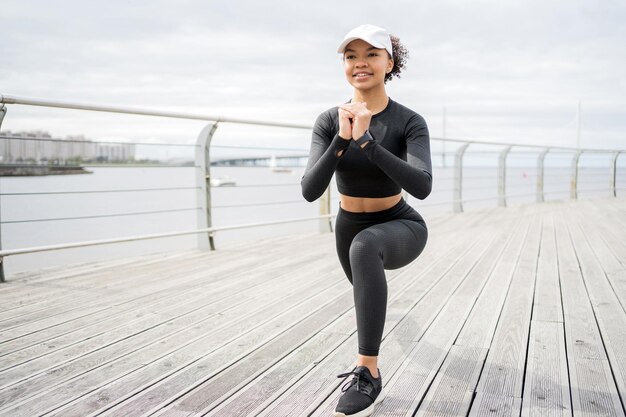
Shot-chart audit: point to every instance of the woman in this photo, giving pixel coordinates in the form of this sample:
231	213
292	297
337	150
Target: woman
376	147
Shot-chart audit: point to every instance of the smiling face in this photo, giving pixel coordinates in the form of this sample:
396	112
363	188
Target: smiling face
364	65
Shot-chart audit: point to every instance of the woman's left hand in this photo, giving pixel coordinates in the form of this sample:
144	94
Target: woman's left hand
362	117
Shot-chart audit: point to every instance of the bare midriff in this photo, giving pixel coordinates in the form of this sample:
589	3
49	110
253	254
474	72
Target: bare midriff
368	205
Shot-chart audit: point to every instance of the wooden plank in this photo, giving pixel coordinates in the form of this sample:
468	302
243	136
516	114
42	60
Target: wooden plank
612	225
71	275
614	207
200	280
69	293
55	272
603	246
157	371
479	327
501	381
296	371
79	343
417	368
614	267
304	395
90	279
244	398
215	385
227	369
614	257
32	298
607	309
190	277
210	288
546	387
547	302
186	332
431	350
452	390
582	335
474	219
322	381
593	389
424	276
496	405
195	339
59	310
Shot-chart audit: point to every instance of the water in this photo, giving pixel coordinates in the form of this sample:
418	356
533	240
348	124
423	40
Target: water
38	220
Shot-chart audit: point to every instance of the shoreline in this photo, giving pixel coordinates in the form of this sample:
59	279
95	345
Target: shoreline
26	170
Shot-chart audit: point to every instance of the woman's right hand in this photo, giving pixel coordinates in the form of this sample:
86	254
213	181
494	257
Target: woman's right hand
345	124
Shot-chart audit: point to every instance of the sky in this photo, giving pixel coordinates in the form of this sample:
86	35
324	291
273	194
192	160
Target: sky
505	71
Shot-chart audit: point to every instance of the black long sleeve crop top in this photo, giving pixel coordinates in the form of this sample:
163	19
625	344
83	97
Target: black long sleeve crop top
398	157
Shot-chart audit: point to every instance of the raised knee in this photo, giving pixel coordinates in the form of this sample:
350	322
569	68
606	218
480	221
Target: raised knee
364	246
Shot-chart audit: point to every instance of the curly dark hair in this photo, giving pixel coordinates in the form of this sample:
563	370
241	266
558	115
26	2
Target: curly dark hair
400	55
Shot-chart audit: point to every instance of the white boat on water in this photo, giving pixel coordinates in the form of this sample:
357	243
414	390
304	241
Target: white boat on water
224	181
275	168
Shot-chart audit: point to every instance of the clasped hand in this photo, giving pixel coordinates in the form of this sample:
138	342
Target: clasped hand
354	120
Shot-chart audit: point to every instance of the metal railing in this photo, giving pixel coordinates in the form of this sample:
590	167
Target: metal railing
205	206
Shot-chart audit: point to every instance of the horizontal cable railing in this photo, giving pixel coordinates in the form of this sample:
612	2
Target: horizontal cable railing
208	230
272	203
461	161
293	184
83	142
101	216
129	190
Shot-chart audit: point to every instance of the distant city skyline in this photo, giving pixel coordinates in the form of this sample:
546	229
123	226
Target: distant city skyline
39	146
504	71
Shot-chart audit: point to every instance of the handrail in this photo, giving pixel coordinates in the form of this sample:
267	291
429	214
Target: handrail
29	101
202	165
121	190
97	142
210	230
213	230
100	216
10	99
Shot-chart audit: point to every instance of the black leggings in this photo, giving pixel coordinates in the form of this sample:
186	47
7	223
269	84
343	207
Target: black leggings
367	244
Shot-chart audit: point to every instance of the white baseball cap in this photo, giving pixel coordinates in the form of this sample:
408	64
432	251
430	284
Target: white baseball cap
374	35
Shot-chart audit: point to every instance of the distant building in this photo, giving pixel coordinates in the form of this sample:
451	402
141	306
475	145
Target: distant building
40	147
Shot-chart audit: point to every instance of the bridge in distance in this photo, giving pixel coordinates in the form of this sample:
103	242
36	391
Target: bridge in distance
269	161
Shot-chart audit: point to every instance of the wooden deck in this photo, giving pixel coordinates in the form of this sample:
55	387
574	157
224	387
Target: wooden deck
508	312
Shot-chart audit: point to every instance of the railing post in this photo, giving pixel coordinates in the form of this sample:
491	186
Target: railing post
540	172
203	183
326	224
3	112
457	204
502	176
613	176
573	193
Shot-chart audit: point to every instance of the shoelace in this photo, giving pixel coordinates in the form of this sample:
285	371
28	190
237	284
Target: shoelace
355	380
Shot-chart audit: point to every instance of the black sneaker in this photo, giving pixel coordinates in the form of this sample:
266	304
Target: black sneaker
361	394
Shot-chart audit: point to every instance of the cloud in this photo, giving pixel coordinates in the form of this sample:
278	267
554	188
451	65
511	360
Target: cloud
504	70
